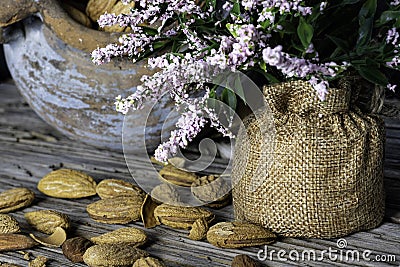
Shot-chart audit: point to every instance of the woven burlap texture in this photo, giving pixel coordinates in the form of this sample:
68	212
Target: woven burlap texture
319	173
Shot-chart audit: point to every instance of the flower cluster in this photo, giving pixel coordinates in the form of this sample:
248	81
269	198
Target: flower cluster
140	41
282	40
301	68
392	38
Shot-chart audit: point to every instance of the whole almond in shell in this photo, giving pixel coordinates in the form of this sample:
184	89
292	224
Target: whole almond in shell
165	193
8	224
16	198
119	8
66	183
117	210
74	248
181	217
46	221
128	236
244	261
77	15
238	235
110	188
174	175
96	8
112	255
212	190
12	242
177	162
199	229
148	262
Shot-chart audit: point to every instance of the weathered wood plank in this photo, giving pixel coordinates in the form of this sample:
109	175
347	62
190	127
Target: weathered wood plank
25	158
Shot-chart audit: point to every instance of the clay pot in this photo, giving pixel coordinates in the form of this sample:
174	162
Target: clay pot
49	59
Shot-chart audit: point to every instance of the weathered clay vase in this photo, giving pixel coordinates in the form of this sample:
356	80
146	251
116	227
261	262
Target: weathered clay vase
48	55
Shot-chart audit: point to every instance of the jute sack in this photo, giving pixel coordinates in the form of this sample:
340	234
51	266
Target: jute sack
319	173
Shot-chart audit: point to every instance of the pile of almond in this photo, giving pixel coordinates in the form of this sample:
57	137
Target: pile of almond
122	202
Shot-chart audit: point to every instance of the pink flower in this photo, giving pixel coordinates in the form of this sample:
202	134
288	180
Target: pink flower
391	87
392	36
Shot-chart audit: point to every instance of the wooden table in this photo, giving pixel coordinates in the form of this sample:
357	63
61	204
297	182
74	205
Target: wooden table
29	149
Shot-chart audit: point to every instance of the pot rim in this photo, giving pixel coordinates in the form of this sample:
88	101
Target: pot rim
72	32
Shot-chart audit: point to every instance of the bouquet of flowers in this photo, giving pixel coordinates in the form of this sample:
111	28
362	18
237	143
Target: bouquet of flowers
316	41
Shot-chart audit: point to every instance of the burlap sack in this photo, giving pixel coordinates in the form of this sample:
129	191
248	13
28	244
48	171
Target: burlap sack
320	175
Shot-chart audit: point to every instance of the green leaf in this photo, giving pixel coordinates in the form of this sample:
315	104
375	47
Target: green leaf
233	83
389	16
288	27
232	28
364	33
175	46
239	89
349	2
265	24
211	103
298	47
263	65
373	74
229	97
340	43
366	22
336	53
305	32
160	44
368	9
212	91
149	30
236	8
371	63
271	78
359	62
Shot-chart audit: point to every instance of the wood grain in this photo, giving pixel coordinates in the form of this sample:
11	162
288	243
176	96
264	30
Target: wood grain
29	149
